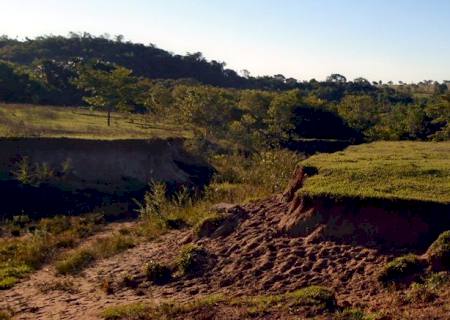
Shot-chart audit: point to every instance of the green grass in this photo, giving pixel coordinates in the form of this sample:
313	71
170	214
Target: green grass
401	268
386	170
314	296
56	122
21	255
78	259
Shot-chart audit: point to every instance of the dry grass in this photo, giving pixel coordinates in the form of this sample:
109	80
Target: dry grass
56	122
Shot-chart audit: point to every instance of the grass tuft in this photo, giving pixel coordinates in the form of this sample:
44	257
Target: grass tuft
404	268
192	259
439	252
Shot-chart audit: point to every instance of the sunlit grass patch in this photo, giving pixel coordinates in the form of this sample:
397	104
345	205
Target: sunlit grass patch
48	121
387	170
318	297
78	259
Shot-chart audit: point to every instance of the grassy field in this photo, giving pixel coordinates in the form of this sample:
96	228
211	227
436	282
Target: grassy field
47	121
393	170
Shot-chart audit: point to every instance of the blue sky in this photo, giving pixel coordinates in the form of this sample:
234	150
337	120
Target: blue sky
406	40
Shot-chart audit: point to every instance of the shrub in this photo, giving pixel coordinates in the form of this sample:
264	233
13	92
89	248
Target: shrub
158	273
402	269
192	259
438	253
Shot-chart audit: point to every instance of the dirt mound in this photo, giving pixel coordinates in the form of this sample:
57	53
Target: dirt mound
369	222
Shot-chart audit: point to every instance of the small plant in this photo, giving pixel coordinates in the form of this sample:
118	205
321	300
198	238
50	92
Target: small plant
437	280
350	314
404	268
155	202
66	167
6	314
107	286
313	295
420	293
192	259
23	173
439	252
75	261
7	282
158	273
130	281
208	225
58	285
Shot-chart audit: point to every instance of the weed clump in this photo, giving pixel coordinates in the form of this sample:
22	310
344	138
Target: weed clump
438	253
402	269
158	273
192	260
313	295
420	293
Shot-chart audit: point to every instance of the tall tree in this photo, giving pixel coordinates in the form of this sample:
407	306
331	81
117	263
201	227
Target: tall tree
109	90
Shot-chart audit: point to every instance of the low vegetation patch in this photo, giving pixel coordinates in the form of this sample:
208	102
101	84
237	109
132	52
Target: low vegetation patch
47	121
192	259
40	242
58	285
319	298
404	268
208	225
78	259
238	179
420	293
415	171
439	252
158	273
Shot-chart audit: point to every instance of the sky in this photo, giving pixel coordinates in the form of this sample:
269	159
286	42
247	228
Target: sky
407	40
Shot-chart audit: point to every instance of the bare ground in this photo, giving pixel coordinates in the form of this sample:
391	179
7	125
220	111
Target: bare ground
255	259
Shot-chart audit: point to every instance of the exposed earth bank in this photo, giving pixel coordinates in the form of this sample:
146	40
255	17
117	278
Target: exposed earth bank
278	245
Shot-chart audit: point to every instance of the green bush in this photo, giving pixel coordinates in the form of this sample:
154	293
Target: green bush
158	273
439	252
402	269
192	259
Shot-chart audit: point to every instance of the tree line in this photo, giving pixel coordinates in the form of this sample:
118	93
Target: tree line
217	103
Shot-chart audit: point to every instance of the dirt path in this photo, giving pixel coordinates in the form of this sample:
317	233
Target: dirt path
88	298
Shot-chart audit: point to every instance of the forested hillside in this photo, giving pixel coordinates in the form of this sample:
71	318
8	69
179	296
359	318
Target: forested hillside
217	103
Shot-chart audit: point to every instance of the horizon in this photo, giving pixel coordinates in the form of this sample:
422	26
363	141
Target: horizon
304	40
